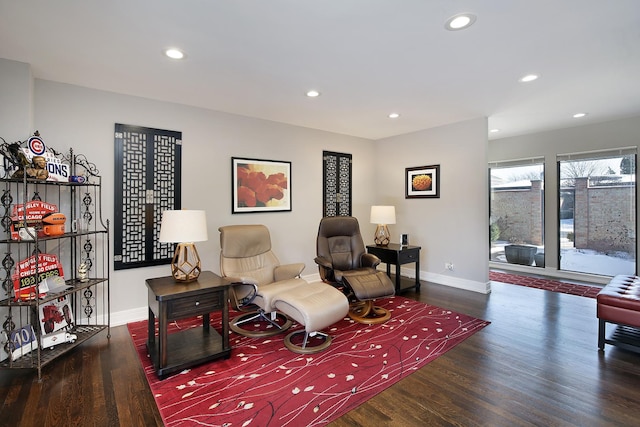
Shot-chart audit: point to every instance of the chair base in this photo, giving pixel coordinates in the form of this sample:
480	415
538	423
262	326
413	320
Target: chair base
273	327
368	313
304	348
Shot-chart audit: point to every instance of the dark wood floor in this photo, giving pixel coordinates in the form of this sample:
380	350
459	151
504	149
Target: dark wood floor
537	364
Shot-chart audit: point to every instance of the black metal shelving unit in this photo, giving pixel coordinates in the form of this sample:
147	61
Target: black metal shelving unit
84	243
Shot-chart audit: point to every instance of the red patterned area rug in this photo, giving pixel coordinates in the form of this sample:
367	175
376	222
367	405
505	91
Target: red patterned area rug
546	284
264	384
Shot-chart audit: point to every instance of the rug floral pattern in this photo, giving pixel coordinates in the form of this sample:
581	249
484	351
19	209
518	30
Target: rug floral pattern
264	384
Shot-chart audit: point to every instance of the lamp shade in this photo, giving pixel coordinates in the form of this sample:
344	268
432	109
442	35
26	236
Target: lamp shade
183	226
383	215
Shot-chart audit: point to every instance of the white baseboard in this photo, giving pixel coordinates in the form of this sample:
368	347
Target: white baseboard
142	313
456	282
127	316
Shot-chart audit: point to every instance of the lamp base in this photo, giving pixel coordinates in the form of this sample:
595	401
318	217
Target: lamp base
185	265
382	236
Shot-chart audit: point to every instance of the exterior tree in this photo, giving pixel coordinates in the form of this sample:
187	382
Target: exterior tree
628	165
582	169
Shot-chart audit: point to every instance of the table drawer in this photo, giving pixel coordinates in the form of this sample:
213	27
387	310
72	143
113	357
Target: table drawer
198	304
384	255
409	256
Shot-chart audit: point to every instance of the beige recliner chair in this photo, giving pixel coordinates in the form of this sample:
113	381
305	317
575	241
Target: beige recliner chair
246	258
277	290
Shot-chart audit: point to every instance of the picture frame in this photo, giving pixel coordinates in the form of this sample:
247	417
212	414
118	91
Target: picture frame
422	182
56	315
259	185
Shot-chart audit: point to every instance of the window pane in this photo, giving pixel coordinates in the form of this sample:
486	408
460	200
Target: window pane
516	216
598	214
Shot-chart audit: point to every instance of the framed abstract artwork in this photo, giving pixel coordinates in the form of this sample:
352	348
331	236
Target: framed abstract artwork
260	185
422	182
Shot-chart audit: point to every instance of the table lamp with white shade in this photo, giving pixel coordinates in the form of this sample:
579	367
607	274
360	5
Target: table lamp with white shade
184	227
382	215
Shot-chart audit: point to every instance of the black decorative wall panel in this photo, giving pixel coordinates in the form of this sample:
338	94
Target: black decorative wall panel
147	182
330	185
337	184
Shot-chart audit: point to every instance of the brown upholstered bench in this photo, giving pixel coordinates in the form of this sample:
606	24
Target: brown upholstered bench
619	303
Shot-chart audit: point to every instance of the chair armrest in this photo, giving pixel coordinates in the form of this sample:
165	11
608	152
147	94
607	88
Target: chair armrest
242	292
332	273
369	260
242	280
287	271
323	262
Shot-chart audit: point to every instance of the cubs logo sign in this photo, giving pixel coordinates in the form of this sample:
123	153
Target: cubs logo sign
36	146
56	170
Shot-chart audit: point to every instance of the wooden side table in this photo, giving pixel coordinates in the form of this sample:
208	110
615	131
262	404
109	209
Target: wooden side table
398	255
170	300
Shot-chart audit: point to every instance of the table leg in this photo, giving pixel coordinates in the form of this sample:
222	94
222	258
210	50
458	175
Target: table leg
162	336
151	328
205	322
225	321
418	274
601	333
397	277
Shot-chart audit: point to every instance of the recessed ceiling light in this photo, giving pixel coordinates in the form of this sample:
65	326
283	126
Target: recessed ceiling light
529	78
494	130
394	115
460	21
579	115
313	93
174	53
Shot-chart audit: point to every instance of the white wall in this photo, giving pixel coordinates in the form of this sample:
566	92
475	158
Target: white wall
72	116
16	100
454	227
590	137
83	119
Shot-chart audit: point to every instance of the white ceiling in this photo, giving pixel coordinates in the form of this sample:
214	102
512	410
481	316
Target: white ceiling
368	58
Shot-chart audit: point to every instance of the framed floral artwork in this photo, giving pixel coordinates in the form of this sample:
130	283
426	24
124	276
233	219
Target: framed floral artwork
260	185
422	182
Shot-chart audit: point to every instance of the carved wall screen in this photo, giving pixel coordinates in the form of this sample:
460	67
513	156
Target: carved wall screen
336	182
147	182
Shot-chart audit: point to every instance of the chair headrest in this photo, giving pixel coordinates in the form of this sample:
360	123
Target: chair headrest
241	241
339	241
339	226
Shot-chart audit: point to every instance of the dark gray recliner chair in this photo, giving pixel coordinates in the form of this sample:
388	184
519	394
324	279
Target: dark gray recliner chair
344	263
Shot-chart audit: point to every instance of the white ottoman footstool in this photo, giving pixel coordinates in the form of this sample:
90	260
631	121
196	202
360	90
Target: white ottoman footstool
316	306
